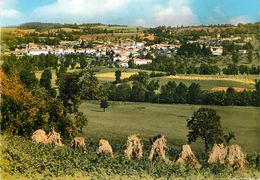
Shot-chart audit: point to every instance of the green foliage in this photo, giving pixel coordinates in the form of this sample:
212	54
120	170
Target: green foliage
235	57
70	90
23	158
90	86
45	80
81	121
205	124
168	92
104	104
250	55
194	94
181	93
191	49
131	64
118	75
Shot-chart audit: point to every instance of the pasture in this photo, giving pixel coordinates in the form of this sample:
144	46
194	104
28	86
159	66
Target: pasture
124	118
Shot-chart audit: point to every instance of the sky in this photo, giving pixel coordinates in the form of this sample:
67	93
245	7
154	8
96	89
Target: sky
148	13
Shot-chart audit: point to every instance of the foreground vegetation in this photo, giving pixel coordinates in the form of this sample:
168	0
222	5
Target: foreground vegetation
18	160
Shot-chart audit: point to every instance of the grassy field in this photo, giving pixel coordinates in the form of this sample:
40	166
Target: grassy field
123	119
7	29
206	81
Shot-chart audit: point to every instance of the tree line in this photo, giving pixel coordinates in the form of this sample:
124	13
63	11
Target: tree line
138	88
206	66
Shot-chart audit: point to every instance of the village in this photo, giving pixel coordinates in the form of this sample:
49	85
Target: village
139	52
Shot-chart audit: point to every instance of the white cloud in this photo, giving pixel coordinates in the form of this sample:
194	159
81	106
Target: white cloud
227	20
77	10
10	13
176	13
238	19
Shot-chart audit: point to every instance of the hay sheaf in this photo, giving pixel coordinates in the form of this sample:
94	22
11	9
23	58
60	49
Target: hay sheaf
218	154
40	136
187	156
236	157
134	147
158	148
105	147
78	142
230	155
52	138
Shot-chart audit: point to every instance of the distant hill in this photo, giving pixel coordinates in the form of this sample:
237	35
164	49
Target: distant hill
39	25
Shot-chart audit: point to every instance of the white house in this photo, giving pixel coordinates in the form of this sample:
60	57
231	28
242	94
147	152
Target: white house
80	50
138	61
216	50
36	52
68	51
123	64
139	44
242	51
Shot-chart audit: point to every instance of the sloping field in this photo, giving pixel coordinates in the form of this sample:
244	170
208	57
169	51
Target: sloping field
240	79
124	118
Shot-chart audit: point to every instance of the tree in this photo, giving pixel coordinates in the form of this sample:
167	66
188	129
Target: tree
168	92
205	124
121	93
256	94
81	121
138	92
70	91
193	95
45	80
232	69
181	93
141	77
250	55
28	78
131	64
151	88
118	75
231	97
215	98
91	89
25	112
243	69
235	57
104	104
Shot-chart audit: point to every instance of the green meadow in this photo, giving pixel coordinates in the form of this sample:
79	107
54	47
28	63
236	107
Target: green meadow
124	118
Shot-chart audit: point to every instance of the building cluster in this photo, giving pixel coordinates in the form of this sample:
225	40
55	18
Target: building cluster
124	51
216	43
120	53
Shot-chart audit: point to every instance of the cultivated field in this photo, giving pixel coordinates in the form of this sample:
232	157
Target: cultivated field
111	75
206	81
122	119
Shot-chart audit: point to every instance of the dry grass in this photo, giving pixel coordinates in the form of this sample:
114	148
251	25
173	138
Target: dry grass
237	89
112	75
213	78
